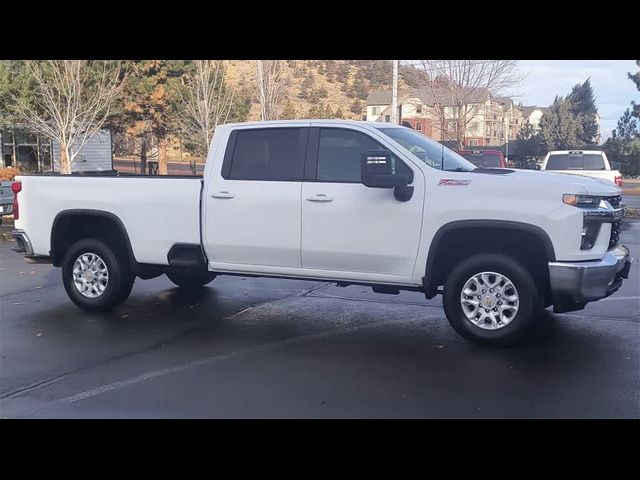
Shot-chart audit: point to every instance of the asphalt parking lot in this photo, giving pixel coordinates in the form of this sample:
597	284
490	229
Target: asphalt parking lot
263	348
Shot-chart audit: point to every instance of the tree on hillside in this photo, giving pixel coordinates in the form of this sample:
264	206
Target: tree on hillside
342	72
306	86
360	89
150	102
457	87
356	107
560	128
204	104
271	87
635	78
71	101
583	106
289	111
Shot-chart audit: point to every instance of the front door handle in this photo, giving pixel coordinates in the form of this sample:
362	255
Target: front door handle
222	195
320	197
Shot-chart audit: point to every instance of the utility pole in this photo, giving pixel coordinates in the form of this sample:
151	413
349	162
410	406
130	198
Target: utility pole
508	130
394	94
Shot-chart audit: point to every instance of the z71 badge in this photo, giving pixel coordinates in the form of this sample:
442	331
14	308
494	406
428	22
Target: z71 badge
453	182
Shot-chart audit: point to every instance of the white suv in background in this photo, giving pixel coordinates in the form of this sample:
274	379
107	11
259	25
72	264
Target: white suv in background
590	163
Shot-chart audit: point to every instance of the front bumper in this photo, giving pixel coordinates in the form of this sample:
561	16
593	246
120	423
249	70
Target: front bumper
574	284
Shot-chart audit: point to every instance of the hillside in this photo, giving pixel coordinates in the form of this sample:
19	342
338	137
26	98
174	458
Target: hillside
321	88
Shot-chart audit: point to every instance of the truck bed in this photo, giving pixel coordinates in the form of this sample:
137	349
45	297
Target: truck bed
157	211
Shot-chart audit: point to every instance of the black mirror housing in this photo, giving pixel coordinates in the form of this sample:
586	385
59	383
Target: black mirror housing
377	168
377	172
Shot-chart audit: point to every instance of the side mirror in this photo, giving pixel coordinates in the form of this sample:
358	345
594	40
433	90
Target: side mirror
378	172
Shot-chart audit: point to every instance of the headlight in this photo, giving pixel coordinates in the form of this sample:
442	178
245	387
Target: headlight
582	201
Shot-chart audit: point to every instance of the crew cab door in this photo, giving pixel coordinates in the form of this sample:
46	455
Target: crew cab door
252	211
348	227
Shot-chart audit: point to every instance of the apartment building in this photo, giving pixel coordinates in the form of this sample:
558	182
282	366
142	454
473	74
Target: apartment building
488	119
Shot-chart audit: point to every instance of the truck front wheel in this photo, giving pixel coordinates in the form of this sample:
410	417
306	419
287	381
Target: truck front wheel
95	276
491	299
191	279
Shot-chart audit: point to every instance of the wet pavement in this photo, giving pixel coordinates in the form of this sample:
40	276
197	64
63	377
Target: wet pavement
265	348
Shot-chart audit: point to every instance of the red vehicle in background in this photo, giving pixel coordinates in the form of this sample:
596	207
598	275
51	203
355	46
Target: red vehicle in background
484	158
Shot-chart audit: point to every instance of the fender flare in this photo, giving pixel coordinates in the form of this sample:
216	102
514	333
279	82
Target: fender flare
94	213
430	289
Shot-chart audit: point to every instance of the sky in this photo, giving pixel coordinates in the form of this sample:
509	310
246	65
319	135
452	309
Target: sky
611	86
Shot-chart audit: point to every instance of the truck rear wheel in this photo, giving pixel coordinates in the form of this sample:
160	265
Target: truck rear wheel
491	299
95	276
191	279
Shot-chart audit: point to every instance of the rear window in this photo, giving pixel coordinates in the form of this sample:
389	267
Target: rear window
268	154
576	161
483	160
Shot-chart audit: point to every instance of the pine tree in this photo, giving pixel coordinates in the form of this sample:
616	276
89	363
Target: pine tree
583	106
289	111
315	111
356	107
625	137
560	128
635	78
153	94
360	89
305	88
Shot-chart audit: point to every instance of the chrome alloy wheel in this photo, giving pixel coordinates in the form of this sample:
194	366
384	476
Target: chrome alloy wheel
489	300
90	275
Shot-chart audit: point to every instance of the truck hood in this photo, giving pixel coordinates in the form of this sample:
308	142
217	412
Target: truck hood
567	182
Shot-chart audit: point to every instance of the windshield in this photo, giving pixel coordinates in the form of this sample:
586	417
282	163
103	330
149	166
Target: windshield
483	160
429	151
576	161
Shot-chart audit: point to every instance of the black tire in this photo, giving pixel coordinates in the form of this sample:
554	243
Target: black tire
191	279
529	299
120	279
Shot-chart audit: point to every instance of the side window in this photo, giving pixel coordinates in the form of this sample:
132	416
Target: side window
274	154
340	155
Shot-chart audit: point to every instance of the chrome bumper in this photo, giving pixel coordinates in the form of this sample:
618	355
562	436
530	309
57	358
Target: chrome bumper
574	284
23	244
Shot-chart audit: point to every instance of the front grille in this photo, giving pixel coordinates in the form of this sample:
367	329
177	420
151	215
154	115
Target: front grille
616	227
614	201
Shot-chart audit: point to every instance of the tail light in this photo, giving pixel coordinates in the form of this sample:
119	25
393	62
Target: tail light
618	180
16	187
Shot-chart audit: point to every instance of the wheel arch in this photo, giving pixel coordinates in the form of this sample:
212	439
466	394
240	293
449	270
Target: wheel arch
91	221
433	276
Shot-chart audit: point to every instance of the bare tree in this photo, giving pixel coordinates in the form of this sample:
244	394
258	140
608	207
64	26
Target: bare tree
272	85
73	98
458	88
206	103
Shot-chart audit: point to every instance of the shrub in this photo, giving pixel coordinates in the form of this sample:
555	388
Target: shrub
9	173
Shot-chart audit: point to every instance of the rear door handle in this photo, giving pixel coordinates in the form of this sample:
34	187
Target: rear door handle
320	197
222	195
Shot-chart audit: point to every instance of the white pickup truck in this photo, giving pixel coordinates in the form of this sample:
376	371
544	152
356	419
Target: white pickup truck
590	163
343	201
